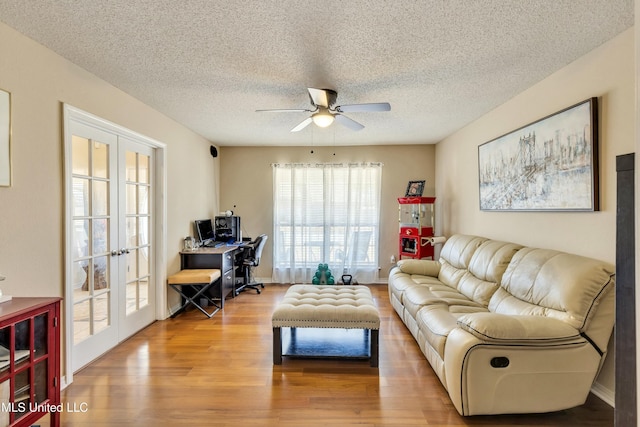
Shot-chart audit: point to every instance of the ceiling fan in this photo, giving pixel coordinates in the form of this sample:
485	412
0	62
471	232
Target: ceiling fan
324	112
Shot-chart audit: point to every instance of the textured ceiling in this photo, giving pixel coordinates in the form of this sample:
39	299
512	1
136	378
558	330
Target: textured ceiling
209	64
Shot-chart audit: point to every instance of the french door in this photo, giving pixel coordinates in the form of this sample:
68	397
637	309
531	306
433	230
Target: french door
111	287
137	302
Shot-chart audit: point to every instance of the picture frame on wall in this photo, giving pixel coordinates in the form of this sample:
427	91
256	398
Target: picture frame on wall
5	138
548	165
415	189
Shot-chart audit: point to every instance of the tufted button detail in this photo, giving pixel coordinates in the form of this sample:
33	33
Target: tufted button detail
350	307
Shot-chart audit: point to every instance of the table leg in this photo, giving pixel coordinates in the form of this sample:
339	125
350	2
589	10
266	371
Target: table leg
277	346
374	347
193	300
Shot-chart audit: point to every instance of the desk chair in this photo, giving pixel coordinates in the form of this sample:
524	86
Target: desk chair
198	281
251	259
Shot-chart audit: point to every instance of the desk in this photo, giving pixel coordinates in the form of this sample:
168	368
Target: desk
220	258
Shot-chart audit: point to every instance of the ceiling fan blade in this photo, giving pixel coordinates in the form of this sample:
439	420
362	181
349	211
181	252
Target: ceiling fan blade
306	122
300	110
322	97
374	106
350	123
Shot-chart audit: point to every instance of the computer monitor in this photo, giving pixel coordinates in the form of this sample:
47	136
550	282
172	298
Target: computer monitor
204	228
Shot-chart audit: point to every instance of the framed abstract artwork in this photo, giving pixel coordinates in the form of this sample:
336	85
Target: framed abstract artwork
548	165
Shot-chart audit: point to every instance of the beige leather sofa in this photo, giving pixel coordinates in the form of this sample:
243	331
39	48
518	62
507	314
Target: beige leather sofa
508	329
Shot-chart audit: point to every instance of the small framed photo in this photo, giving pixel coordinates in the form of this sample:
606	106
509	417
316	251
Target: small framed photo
415	189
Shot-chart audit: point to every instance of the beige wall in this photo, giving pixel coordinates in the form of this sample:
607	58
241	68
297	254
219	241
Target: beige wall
606	73
32	210
246	182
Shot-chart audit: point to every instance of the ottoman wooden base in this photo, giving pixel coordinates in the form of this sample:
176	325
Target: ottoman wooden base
341	307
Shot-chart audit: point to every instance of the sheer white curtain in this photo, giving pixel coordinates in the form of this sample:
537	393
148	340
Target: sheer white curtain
329	214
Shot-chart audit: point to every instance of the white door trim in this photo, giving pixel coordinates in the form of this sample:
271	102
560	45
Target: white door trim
160	224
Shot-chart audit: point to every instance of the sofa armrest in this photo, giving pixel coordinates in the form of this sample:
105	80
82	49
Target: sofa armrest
493	327
423	267
487	376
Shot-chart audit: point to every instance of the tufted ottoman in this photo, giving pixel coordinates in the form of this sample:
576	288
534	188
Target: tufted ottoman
313	306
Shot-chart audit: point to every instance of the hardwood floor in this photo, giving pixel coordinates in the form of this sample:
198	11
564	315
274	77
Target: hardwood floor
218	372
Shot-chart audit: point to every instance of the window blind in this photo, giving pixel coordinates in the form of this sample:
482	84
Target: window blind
326	214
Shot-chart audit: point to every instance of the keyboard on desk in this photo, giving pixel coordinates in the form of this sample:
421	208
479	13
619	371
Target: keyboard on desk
221	244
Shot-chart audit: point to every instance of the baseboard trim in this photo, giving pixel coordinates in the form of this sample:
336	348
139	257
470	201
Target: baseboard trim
171	310
608	396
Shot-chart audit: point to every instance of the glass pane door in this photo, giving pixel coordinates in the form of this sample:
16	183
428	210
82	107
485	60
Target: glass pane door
138	293
91	222
110	284
137	219
94	224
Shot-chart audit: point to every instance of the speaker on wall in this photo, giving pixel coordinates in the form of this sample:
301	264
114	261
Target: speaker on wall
214	151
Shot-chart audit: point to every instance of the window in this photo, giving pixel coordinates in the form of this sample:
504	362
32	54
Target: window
326	213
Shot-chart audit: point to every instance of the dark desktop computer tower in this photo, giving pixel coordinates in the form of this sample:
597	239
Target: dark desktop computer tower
227	228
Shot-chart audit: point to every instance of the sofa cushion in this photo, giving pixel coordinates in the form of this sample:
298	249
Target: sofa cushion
502	327
545	282
436	321
455	256
491	259
486	267
417	297
459	248
430	282
401	282
476	289
450	275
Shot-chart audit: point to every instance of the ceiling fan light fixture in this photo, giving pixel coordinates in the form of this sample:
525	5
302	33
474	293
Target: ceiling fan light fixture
322	118
324	112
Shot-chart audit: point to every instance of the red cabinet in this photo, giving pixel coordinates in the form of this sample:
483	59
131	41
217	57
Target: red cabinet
416	217
29	361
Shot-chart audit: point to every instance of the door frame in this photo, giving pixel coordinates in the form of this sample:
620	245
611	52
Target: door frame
159	231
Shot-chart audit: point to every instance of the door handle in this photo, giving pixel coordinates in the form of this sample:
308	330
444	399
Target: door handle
120	252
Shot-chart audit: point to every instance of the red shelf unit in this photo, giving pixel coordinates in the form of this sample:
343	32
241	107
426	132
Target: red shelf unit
416	218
